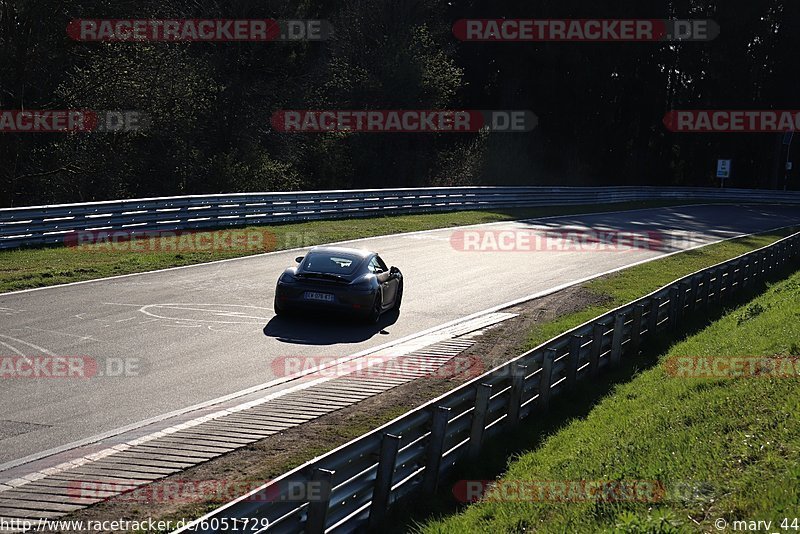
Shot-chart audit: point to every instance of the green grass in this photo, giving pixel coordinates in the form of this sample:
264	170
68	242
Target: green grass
722	448
635	282
40	267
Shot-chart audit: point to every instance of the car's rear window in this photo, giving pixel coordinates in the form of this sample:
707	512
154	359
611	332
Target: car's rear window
332	263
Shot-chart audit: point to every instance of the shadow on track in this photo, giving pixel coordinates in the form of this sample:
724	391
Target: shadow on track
319	330
716	222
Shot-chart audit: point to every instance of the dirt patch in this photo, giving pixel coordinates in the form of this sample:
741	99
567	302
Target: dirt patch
264	460
506	341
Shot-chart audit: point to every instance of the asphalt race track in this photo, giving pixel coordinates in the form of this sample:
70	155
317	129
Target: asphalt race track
193	334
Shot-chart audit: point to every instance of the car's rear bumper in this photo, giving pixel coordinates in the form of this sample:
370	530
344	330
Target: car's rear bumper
291	297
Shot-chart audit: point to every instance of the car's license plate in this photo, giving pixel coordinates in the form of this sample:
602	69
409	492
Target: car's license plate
313	295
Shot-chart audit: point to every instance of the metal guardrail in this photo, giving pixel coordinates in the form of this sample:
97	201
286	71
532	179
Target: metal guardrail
354	485
37	225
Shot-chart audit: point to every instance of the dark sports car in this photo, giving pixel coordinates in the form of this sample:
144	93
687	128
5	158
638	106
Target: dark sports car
338	279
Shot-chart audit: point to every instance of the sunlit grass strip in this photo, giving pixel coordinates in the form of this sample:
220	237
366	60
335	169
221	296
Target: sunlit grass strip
724	449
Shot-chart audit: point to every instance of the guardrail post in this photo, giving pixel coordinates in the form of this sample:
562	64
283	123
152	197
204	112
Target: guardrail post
390	444
686	286
722	282
515	399
753	268
318	508
718	273
430	477
692	298
598	331
745	276
616	340
719	285
674	303
740	265
636	329
652	320
482	397
730	278
573	357
546	379
706	288
735	276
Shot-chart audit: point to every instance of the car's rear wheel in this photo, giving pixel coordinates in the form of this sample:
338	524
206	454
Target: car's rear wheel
377	307
398	299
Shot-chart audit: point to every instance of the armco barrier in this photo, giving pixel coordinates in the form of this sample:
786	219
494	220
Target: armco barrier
356	483
36	225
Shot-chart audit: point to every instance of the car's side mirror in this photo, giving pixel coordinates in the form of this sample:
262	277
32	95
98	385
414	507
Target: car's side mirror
394	271
298	259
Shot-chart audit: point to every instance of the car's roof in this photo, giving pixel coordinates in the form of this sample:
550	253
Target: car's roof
359	252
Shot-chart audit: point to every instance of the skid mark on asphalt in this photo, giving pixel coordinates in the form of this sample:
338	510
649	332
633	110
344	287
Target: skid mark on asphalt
67	334
14	350
22	341
213	310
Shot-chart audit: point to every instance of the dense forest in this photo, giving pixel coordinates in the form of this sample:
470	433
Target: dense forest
600	106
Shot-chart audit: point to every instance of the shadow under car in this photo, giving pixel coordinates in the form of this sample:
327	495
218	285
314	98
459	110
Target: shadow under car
318	329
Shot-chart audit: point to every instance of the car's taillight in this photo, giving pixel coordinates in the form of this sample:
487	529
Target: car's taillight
363	285
287	278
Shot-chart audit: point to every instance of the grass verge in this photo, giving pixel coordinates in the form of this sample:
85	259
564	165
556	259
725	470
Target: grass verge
724	449
635	282
47	266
